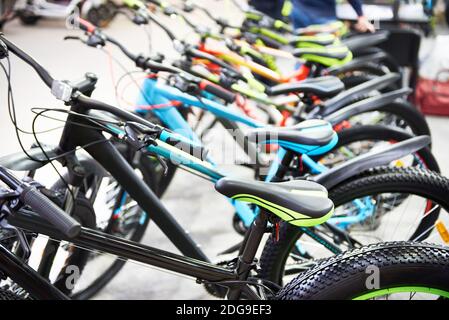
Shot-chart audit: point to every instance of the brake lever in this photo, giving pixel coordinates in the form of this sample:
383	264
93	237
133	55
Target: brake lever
3	50
163	164
133	129
94	40
7	194
74	38
23	242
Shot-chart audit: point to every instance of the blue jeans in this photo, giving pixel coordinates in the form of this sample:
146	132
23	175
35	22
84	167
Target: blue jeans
303	15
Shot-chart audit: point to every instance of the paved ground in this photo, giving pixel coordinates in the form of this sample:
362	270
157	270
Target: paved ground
194	203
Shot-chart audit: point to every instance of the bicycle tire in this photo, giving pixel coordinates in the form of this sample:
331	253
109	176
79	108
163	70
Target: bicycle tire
412	180
78	258
408	114
400	265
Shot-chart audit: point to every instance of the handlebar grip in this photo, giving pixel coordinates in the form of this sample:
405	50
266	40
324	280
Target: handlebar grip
85	25
204	55
146	63
269	41
50	212
218	91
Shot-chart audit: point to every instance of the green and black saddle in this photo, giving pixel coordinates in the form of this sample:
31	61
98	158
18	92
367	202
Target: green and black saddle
300	202
328	56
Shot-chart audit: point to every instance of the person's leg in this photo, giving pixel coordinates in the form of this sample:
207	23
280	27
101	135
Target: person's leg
273	8
307	12
299	15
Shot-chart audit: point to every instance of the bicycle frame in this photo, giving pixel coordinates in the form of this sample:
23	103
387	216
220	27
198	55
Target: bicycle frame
199	269
193	263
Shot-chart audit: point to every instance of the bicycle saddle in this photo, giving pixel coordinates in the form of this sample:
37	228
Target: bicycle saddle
299	202
323	87
362	41
312	137
19	161
327	56
321	40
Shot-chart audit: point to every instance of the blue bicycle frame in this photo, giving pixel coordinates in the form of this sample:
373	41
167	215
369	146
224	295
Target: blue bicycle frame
154	92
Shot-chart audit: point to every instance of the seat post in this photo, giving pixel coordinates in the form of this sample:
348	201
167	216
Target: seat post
250	246
284	165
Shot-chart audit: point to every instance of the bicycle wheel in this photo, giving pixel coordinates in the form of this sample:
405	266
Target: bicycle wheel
398	270
114	213
402	204
120	216
399	114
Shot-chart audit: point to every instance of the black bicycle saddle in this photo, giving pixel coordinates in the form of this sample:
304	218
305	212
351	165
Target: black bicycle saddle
365	40
323	87
310	132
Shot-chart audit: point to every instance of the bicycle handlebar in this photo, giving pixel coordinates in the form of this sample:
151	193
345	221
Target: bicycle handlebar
84	24
161	25
206	56
41	71
146	63
218	91
31	196
50	212
140	61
